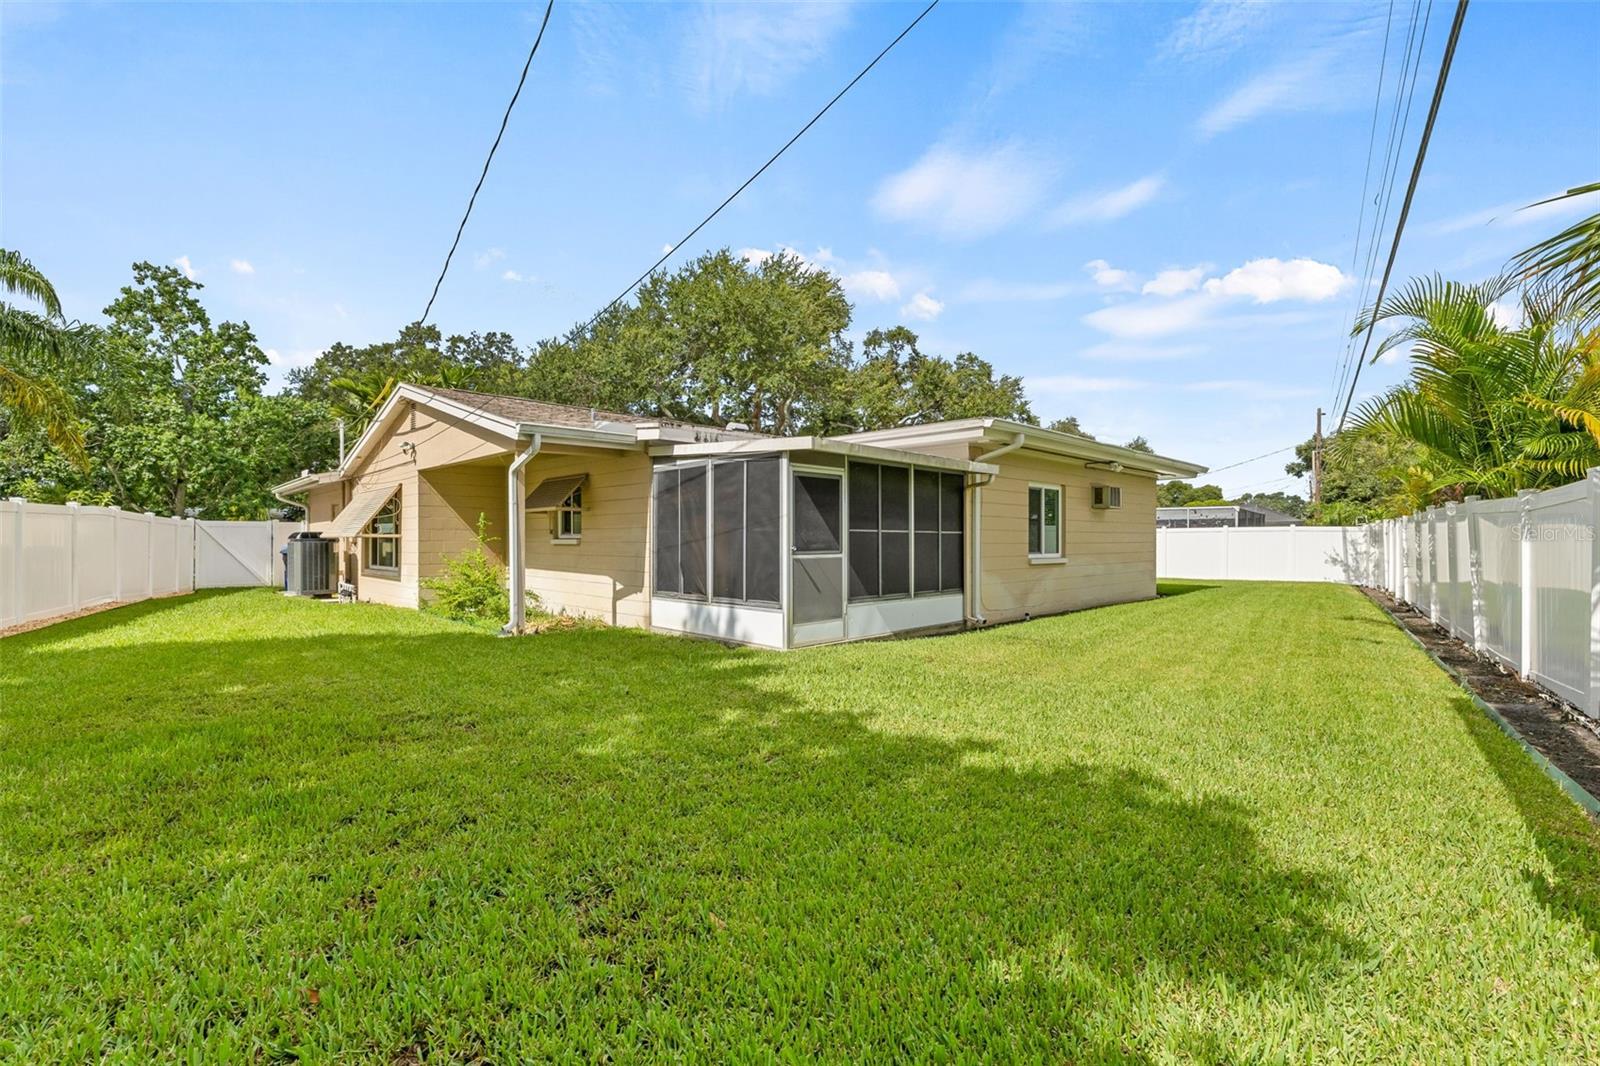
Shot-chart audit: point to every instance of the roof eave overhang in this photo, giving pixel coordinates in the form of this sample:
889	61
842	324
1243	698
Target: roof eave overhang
1052	442
826	445
591	438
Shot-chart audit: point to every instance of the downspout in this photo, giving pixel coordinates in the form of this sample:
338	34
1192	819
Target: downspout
305	511
516	537
976	615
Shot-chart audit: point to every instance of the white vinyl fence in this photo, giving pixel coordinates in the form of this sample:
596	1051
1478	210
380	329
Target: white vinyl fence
56	559
1517	579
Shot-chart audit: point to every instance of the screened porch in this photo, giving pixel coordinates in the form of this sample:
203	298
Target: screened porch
804	547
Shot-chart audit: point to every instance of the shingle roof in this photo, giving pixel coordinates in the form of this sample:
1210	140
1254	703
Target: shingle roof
522	409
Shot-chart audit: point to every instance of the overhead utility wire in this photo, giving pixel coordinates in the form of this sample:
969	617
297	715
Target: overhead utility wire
1263	455
1366	181
623	295
489	159
1411	189
1399	123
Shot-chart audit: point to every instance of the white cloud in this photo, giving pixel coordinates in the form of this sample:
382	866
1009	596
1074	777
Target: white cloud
1076	383
1175	280
756	48
877	285
923	306
1251	390
241	266
666	249
1305	83
183	264
285	361
1507	312
754	256
1515	213
1109	277
487	258
1141	319
963	194
989	290
1260	281
1110	205
1270	280
511	275
1214	29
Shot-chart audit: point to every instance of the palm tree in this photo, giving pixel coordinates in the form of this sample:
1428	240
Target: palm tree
29	338
1494	408
1569	262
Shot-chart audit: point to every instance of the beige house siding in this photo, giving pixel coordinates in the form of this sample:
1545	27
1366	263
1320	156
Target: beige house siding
605	574
1110	555
424	522
450	499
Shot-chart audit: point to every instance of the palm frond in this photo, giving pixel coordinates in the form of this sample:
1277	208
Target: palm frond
20	277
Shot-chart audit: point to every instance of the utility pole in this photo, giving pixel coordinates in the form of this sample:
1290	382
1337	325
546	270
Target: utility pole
1316	469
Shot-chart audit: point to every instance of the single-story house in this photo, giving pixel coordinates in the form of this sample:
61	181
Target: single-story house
720	532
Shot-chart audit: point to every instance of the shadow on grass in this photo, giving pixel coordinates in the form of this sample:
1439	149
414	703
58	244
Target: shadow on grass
1567	838
661	829
1165	589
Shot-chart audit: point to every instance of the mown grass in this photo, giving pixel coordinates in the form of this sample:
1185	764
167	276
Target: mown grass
1247	823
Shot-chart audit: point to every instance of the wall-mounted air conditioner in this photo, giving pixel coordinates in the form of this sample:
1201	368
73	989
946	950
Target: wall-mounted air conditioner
1107	497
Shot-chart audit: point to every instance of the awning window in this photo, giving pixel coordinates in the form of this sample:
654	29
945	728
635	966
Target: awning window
553	492
352	521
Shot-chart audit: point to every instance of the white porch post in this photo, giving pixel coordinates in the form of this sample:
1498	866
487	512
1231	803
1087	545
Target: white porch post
516	538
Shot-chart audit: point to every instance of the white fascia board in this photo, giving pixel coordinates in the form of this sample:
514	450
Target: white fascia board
589	438
1039	439
826	445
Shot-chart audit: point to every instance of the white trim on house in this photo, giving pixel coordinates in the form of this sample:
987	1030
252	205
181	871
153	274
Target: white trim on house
1000	430
824	445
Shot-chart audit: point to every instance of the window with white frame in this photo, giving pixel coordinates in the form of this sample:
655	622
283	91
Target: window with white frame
566	521
1044	521
383	537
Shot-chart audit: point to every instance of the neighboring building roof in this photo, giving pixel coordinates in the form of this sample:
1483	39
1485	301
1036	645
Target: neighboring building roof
1228	510
1002	431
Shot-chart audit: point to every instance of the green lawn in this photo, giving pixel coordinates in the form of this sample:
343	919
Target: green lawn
1246	823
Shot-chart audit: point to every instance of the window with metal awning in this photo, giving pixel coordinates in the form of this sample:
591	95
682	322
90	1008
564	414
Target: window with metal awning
552	493
359	512
562	498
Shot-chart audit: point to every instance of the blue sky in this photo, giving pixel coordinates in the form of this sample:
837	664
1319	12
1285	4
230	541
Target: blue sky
1148	211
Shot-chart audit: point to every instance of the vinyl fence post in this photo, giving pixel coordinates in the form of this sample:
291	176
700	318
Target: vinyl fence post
116	553
1593	481
19	591
72	556
149	555
1525	546
1469	515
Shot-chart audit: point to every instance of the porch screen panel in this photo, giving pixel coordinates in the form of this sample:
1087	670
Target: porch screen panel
864	528
727	530
894	549
950	531
762	557
816	513
692	529
926	578
668	578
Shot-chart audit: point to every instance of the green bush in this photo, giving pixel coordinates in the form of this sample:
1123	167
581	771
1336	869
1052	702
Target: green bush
472	587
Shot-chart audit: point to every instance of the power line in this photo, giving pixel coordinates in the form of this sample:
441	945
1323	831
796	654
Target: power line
492	148
1395	140
623	295
455	420
1263	455
1405	207
1366	180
